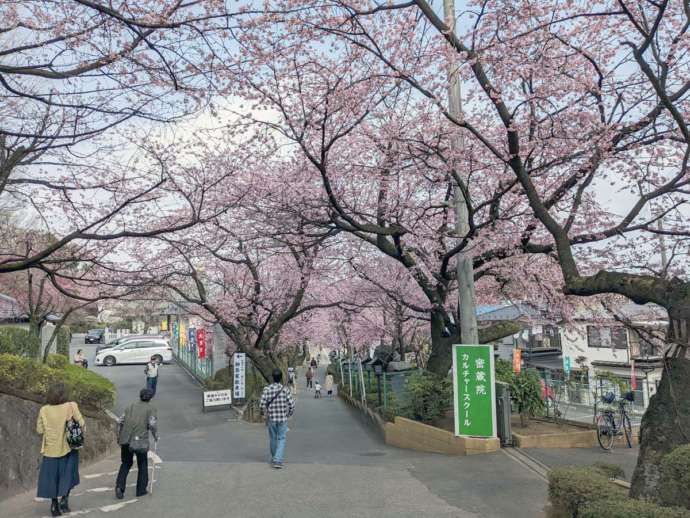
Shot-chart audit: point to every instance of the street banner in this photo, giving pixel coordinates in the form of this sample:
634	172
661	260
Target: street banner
238	372
517	360
474	390
201	343
191	344
164	325
566	365
183	335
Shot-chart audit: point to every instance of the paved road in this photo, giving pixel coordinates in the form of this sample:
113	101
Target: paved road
335	466
626	458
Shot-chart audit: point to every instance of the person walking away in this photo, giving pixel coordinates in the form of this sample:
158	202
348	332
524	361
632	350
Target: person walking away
80	359
328	384
59	471
139	419
291	380
310	377
317	390
151	371
277	405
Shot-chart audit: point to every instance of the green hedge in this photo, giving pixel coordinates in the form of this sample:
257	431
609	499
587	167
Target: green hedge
587	492
630	508
571	488
675	477
84	386
15	340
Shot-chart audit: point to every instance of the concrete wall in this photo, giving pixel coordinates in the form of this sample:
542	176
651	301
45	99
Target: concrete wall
20	445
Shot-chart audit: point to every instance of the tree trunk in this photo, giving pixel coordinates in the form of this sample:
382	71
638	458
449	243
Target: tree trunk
666	423
440	359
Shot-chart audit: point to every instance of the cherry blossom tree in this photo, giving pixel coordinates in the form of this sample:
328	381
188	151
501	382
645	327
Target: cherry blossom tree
585	105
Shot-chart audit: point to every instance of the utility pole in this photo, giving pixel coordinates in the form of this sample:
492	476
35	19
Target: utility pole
464	266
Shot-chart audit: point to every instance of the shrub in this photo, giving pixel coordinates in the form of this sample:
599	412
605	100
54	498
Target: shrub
504	371
428	396
630	508
15	340
675	477
62	341
221	380
84	386
525	390
571	488
610	470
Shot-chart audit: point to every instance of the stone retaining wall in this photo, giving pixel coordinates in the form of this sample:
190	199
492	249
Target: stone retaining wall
20	445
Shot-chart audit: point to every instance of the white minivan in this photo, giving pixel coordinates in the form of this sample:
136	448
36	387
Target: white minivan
136	351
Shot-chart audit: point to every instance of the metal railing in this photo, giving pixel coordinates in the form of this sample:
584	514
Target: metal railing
201	369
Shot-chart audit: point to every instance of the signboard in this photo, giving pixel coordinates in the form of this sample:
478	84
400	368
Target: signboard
517	360
566	365
238	371
217	399
164	325
201	343
474	390
176	332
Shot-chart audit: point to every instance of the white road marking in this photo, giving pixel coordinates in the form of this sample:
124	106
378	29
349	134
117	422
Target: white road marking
104	509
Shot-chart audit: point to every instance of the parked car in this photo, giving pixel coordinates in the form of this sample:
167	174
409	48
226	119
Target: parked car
127	338
136	351
95	336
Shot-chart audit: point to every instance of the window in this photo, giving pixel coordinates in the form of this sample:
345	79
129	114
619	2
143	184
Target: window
607	337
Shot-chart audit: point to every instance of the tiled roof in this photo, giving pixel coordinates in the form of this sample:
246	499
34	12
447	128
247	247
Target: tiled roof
10	310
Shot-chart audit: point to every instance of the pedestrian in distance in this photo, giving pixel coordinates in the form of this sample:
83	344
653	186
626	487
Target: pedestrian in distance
310	377
80	359
151	371
313	363
317	390
59	471
291	379
140	418
328	384
277	406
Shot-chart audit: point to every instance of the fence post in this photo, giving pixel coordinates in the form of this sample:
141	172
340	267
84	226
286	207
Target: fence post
385	392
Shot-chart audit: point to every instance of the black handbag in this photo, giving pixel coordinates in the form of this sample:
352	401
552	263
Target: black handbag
74	434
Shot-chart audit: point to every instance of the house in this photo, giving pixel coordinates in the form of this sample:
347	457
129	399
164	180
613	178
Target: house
11	312
588	347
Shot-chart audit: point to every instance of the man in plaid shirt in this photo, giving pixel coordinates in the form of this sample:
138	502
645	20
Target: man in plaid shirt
277	405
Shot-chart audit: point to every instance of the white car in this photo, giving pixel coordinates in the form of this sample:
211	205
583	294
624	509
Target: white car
136	351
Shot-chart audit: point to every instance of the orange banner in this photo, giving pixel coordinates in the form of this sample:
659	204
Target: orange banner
517	360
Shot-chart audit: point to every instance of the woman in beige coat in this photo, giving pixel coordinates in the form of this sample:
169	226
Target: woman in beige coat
328	384
60	466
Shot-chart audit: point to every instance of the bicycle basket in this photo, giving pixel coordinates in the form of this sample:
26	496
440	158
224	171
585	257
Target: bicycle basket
629	396
608	398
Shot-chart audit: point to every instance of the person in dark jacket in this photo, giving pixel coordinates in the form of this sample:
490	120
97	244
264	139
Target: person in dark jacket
133	437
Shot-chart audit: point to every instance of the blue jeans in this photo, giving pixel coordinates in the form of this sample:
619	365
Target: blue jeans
277	430
151	384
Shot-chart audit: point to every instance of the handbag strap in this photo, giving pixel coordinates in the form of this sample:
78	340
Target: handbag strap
274	397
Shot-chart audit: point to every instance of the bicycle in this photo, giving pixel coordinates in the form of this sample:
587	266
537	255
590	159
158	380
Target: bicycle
612	424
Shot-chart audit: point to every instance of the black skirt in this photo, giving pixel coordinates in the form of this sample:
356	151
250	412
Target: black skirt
58	475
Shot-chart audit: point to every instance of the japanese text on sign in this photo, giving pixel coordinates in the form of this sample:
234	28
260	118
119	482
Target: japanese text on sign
238	370
201	343
217	398
473	384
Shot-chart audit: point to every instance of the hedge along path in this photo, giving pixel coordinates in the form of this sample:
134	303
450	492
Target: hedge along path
29	379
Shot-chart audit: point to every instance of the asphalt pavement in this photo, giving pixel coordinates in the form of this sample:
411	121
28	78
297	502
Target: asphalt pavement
214	465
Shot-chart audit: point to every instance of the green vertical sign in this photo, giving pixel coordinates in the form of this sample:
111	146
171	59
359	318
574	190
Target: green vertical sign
474	390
